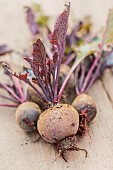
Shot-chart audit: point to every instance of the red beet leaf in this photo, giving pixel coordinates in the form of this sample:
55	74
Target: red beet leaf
59	40
41	69
24	77
33	26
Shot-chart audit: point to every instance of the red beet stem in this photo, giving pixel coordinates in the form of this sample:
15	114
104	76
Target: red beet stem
8	105
42	96
90	38
8	98
96	60
82	75
65	81
93	78
19	88
9	90
77	89
57	71
76	63
69	59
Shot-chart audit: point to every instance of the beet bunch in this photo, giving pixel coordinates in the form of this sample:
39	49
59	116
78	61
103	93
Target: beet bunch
53	78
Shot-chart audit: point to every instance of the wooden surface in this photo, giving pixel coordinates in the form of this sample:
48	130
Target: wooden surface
17	149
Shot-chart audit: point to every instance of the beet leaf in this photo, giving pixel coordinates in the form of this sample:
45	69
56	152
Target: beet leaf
40	69
58	40
24	77
33	26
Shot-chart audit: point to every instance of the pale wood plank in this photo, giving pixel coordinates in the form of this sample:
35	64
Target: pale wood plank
108	83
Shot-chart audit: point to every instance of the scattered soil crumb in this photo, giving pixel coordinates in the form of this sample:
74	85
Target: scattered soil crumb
36	140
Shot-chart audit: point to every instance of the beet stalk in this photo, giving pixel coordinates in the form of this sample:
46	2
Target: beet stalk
27	113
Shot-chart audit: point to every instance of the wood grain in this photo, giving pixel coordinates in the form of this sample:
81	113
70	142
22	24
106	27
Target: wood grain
18	150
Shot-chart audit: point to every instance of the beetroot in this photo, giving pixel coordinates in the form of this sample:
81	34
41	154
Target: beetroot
27	115
58	122
87	110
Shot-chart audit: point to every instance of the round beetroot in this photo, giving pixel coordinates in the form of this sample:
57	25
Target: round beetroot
27	115
58	122
86	108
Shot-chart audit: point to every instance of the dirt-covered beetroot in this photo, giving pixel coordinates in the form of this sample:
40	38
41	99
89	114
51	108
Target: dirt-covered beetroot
58	122
87	110
35	97
27	115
